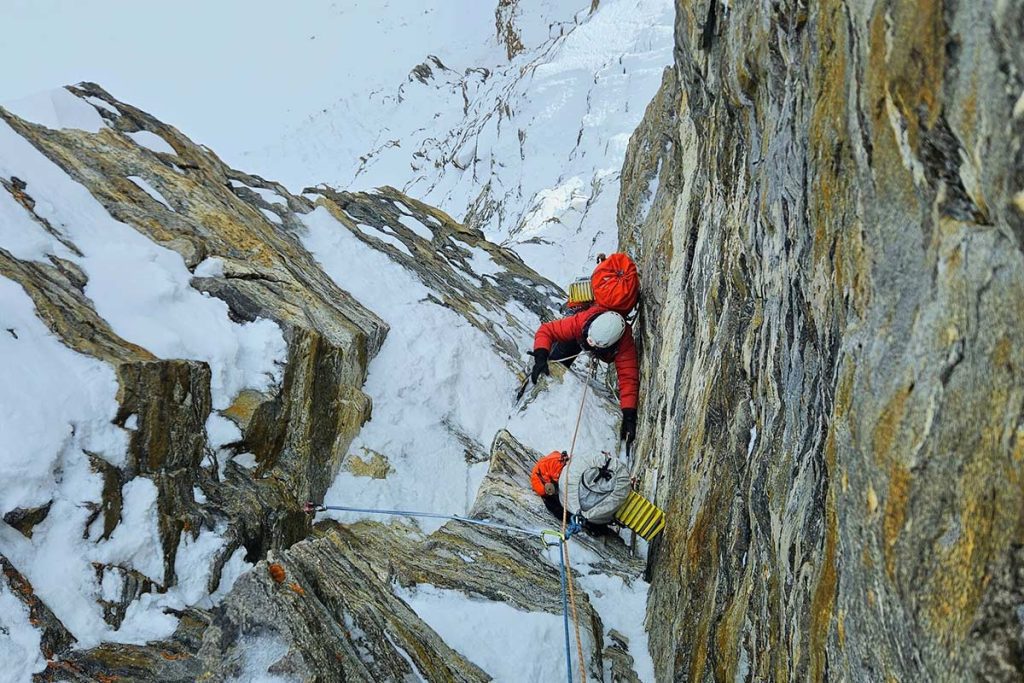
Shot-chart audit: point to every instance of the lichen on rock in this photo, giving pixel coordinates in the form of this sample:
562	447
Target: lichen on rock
821	201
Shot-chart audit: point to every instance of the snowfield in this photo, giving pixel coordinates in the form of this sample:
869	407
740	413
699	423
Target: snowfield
529	150
59	404
420	95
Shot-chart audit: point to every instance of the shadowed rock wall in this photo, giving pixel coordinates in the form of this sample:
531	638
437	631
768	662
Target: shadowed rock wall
826	202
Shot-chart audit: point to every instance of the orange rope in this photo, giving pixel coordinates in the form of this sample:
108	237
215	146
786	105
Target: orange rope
575	616
565	519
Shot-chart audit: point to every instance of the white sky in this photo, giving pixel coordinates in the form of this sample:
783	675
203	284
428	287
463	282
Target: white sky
228	73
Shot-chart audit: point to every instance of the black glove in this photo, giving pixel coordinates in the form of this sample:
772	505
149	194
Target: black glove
628	431
540	364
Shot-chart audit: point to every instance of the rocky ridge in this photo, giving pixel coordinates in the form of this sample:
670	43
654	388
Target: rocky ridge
825	200
338	582
240	236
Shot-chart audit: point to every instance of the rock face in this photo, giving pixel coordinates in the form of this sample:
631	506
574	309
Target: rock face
479	280
327	608
320	604
825	200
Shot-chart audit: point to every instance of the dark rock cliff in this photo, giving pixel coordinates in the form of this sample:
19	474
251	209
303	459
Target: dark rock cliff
826	203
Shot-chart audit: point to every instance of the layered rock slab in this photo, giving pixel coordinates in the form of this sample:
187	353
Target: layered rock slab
824	201
239	234
261	271
329	606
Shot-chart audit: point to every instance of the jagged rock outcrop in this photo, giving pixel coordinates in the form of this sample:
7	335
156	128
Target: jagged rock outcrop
266	273
484	283
330	613
55	640
321	597
825	200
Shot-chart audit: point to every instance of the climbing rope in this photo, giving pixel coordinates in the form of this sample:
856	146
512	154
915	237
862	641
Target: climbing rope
310	508
569	527
565	607
565	523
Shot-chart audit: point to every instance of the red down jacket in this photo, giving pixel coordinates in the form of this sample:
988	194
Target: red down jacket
570	329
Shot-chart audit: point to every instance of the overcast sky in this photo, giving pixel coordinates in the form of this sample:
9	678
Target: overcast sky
228	73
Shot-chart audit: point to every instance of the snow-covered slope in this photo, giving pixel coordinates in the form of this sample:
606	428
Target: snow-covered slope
418	94
528	149
148	483
514	120
60	405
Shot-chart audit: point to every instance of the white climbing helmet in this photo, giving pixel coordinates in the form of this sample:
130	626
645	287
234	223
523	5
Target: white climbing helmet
605	329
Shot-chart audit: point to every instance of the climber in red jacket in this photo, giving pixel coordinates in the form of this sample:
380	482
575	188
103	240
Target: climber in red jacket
606	335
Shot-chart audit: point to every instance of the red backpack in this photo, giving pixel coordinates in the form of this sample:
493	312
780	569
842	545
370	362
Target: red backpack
616	284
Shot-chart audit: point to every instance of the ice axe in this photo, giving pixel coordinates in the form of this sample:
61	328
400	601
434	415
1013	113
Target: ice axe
522	389
526	381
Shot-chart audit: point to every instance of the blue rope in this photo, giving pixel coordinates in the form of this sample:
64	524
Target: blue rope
565	614
573	527
434	515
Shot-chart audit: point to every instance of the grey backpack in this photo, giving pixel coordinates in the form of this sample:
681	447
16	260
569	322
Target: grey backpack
594	486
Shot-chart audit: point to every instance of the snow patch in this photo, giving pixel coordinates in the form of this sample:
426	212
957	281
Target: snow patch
259	653
112	584
97	102
210	267
233	569
150	190
385	238
417	227
57	109
19	639
246	460
193	564
474	628
220	431
136	540
623	607
269	196
405	655
482	263
23	237
151	141
56	404
271	216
